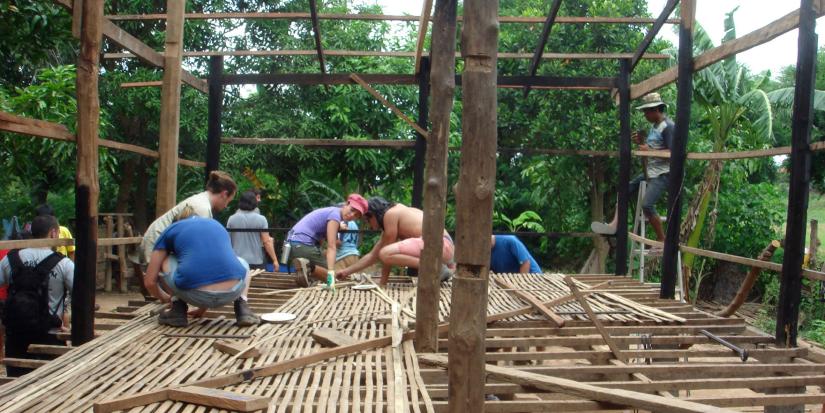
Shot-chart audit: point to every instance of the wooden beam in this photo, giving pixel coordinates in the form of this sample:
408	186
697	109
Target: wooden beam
442	78
651	34
87	188
545	33
215	112
614	348
167	182
325	143
389	105
140	49
24	363
790	288
423	22
236	349
623	179
331	337
399	54
585	391
420	140
316	32
532	300
220	399
387	17
678	151
725	50
474	203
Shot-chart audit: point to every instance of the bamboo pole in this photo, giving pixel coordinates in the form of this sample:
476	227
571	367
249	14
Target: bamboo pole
474	203
750	280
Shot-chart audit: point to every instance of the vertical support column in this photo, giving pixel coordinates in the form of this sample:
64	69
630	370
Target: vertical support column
474	206
678	153
435	189
624	166
87	189
170	108
790	287
420	140
214	131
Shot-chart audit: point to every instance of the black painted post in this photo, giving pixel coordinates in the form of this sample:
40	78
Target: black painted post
790	289
624	166
678	153
213	133
420	141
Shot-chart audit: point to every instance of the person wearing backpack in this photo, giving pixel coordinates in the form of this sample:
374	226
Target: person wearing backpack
39	283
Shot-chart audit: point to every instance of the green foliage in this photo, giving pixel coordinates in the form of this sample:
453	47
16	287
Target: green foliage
750	216
527	220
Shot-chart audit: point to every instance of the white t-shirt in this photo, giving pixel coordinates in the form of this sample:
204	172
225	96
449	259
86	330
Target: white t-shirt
61	278
199	203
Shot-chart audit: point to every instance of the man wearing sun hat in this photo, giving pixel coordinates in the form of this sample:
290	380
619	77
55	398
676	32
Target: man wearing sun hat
659	138
306	237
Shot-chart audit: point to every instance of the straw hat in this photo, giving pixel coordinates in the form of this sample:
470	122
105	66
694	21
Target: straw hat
651	100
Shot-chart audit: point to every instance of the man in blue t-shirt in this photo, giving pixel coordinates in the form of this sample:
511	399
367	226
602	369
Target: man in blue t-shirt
509	255
194	257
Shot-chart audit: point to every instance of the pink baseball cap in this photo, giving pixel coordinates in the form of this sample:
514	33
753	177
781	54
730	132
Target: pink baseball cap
358	203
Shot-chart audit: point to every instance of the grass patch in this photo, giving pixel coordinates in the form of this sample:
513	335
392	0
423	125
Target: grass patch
816	210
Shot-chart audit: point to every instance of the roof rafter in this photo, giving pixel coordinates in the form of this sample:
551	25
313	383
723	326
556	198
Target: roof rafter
640	51
423	22
316	30
545	33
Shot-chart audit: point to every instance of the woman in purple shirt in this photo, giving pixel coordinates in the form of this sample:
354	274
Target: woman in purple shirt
306	236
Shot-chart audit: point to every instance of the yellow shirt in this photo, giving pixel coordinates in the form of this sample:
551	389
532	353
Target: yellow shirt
65	233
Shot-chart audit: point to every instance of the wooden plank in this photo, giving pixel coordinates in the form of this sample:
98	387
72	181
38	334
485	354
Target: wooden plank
651	34
389	105
533	301
167	184
330	337
595	319
442	79
423	22
586	391
236	349
62	242
545	33
48	349
316	32
24	363
755	38
399	54
220	399
384	17
325	143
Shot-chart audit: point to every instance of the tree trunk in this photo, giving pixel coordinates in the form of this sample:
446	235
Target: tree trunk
600	245
141	207
697	213
127	180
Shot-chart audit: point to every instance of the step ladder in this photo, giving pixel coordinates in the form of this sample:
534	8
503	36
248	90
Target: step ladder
640	252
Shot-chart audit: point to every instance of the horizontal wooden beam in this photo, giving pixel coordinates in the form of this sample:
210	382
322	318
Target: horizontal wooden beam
386	17
325	143
400	54
63	242
767	265
141	50
51	130
585	391
755	38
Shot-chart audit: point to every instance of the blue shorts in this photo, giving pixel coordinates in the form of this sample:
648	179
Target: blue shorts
203	298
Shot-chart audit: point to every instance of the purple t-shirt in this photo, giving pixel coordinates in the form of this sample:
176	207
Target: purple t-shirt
312	228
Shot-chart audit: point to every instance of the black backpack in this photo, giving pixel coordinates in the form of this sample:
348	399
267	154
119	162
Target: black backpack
27	306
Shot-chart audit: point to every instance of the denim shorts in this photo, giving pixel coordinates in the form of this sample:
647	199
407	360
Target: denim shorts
203	298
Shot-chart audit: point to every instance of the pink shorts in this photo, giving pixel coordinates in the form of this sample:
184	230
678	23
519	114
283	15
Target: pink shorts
414	246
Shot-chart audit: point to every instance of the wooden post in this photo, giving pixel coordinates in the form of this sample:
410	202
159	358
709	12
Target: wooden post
86	185
678	153
170	108
421	140
624	166
213	132
121	255
790	288
474	203
107	254
442	77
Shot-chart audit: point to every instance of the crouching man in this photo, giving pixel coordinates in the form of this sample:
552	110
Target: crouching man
195	260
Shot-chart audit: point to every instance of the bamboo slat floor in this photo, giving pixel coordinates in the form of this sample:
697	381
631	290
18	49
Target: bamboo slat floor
660	339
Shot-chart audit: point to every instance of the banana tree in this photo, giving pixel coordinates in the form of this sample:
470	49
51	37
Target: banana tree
734	112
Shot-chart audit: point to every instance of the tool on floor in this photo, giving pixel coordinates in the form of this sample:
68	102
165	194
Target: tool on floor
743	353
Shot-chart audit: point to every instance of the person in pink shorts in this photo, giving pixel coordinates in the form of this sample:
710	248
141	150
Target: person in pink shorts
401	243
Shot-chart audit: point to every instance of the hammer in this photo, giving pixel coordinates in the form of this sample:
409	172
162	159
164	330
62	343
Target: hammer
743	353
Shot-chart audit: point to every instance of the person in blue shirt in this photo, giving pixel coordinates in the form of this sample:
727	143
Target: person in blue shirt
347	253
509	255
194	257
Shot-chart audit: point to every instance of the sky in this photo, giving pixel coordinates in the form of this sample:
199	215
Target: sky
751	15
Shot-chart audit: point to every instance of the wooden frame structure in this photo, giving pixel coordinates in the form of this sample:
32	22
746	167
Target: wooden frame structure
479	35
